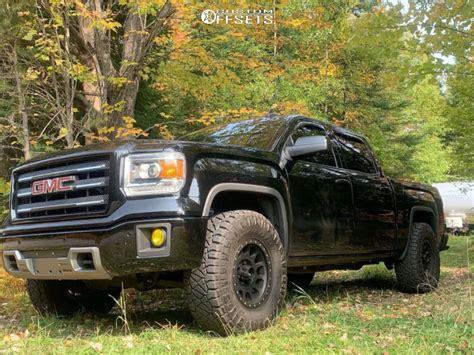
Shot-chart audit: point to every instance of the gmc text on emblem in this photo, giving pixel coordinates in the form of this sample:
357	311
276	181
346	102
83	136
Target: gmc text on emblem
56	184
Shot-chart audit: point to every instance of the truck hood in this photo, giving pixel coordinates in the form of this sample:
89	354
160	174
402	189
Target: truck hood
124	147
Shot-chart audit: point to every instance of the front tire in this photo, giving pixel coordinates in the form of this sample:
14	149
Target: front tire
65	298
241	283
419	270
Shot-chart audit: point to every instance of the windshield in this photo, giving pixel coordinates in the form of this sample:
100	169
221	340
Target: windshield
257	133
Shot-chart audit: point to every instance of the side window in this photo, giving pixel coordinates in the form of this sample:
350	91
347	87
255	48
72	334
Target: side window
325	157
355	154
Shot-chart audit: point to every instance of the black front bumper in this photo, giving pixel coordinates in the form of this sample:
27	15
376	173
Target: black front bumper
116	245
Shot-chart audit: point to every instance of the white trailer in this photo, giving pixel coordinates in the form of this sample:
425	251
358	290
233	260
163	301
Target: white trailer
458	202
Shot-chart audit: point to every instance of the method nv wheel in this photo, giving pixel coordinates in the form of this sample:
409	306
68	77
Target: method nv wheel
419	270
241	283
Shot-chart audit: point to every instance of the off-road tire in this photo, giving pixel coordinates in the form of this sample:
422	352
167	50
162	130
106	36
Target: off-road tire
414	273
212	288
65	298
300	280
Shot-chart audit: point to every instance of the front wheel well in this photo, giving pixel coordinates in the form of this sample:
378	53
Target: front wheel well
265	204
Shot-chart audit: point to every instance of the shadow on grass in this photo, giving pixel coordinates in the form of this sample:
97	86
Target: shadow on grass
167	309
328	287
158	309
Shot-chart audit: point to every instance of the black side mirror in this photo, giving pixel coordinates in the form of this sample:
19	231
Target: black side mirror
308	145
379	167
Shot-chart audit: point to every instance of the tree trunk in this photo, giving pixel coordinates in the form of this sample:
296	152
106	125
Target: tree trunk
95	46
70	86
25	133
326	74
128	95
274	29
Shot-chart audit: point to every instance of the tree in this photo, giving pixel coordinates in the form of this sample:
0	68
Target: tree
90	69
443	30
460	121
117	51
14	125
88	60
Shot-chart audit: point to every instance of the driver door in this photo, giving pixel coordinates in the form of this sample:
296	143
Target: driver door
321	198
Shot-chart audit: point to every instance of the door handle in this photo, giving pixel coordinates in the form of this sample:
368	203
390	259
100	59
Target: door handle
341	181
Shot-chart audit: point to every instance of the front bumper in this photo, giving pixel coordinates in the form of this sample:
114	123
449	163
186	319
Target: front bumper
105	253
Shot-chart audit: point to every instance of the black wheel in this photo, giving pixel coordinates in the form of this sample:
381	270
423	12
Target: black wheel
300	280
251	273
419	270
241	283
64	298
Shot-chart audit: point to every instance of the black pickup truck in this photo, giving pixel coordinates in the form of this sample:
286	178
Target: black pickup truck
233	213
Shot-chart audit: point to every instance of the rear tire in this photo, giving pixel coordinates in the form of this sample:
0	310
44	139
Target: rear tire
300	280
65	298
241	283
419	270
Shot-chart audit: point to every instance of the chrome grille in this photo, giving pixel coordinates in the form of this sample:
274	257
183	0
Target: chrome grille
87	193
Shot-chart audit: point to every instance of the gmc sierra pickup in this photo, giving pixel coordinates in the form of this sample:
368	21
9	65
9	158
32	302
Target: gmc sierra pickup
231	212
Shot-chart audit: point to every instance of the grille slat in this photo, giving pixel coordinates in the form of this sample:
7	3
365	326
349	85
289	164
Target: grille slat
88	191
61	204
63	170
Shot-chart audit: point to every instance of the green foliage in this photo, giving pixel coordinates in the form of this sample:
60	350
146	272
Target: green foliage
355	71
460	121
4	193
370	66
444	30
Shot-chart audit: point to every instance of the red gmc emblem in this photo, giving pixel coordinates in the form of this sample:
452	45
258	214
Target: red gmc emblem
47	186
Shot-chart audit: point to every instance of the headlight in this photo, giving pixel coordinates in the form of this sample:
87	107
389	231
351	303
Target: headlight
153	174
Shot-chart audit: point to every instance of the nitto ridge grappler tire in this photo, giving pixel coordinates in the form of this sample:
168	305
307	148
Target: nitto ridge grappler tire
64	298
419	270
241	283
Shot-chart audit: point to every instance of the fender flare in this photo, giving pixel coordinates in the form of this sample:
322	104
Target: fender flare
231	186
412	213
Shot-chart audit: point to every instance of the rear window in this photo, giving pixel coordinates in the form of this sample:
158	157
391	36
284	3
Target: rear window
355	154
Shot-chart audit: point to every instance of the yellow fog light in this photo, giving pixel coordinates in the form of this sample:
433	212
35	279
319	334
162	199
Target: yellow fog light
158	238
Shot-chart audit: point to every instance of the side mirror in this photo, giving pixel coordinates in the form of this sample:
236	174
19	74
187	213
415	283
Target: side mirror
379	167
308	145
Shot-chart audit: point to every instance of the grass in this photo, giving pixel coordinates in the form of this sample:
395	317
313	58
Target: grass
342	312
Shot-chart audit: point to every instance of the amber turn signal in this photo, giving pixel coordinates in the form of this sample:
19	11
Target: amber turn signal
158	238
172	168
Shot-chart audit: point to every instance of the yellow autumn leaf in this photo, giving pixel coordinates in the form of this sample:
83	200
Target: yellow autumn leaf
63	132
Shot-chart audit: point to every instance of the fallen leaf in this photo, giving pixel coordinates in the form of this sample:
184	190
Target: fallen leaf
129	342
96	346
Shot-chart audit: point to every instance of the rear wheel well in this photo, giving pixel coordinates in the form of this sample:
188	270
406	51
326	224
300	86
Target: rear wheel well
424	216
265	204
